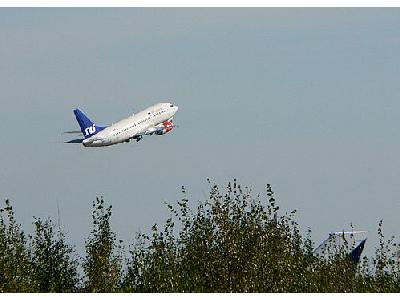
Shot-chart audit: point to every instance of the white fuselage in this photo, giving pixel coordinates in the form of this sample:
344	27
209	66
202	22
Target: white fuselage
134	126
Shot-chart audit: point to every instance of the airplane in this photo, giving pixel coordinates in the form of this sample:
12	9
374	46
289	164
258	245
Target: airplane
156	119
351	241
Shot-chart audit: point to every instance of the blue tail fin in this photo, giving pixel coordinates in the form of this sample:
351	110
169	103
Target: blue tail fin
88	127
355	255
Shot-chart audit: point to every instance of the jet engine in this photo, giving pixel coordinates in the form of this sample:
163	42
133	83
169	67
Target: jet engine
167	127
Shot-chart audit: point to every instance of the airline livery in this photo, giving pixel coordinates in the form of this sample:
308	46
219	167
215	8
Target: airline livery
156	119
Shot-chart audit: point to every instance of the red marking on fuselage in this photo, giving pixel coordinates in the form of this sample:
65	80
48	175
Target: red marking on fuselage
168	126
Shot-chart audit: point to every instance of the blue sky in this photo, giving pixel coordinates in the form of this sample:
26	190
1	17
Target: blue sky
303	99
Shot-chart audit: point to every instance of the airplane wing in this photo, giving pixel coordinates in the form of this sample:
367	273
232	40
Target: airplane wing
160	129
152	130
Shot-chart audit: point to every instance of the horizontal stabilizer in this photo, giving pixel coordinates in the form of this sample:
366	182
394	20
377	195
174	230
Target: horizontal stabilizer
75	141
73	131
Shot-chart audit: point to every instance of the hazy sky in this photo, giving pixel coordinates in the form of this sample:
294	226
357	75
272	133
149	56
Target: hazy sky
304	99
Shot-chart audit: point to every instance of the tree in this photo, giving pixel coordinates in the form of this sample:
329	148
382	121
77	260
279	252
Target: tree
53	260
103	262
16	272
238	242
232	242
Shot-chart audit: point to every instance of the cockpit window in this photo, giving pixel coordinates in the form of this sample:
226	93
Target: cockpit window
171	105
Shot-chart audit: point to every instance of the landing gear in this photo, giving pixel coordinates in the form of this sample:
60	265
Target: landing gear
138	138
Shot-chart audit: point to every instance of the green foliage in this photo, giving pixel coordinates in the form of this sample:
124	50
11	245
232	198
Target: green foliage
41	263
103	264
55	267
235	242
385	266
16	272
231	242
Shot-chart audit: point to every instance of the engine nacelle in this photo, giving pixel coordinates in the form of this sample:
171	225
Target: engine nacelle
167	127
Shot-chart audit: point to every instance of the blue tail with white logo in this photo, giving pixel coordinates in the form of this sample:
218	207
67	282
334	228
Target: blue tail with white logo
88	127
